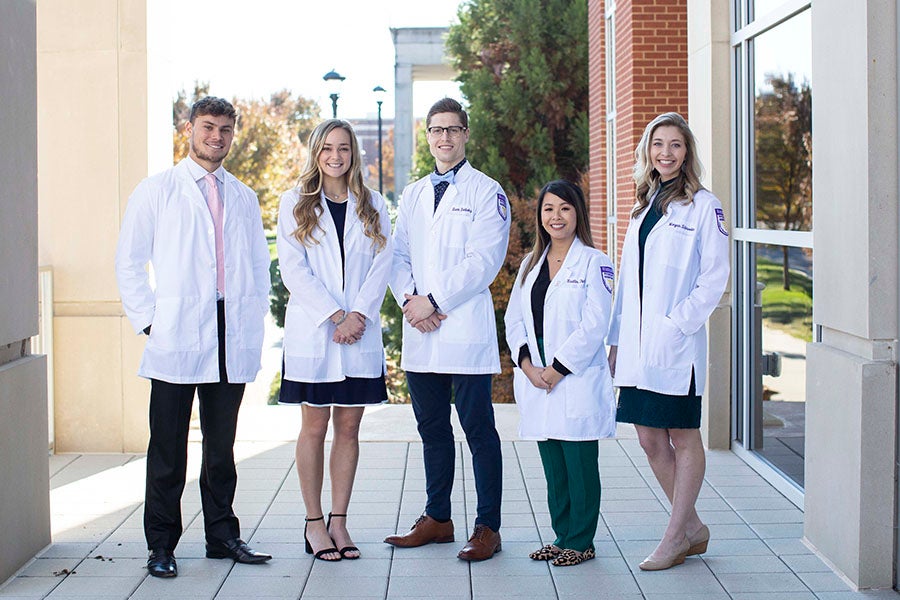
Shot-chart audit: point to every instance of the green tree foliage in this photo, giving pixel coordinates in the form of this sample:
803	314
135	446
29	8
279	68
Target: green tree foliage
423	161
784	158
524	70
269	148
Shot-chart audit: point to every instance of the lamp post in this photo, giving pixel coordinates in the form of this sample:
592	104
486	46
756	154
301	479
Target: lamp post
333	80
379	98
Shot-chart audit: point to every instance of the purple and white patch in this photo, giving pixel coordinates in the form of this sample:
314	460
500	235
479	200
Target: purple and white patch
720	221
502	206
609	278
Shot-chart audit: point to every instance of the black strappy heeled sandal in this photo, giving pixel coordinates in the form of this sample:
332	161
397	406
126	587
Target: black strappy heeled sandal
321	553
346	549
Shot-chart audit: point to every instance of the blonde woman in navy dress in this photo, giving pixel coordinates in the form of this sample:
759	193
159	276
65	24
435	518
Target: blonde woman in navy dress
334	249
557	317
674	270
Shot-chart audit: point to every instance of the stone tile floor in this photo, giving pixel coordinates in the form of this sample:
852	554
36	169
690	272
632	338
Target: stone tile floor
98	549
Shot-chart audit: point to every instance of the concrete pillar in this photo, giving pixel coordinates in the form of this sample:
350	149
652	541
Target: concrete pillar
92	151
404	125
418	56
24	478
851	377
709	105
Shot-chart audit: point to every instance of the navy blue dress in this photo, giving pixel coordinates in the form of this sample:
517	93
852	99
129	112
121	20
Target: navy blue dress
652	409
352	391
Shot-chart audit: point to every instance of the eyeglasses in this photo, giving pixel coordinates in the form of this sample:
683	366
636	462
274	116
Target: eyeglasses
452	131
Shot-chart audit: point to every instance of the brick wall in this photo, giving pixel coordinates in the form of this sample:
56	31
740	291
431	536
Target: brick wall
651	78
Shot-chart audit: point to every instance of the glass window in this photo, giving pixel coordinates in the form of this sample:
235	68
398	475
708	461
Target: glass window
782	184
761	7
783	319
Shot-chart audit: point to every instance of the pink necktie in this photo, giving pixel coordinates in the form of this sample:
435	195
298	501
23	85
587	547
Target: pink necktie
214	201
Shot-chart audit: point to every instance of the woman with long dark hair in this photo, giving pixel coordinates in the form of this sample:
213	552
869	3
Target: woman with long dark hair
557	317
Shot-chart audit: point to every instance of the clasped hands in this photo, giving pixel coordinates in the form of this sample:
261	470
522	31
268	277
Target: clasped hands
544	378
350	330
420	313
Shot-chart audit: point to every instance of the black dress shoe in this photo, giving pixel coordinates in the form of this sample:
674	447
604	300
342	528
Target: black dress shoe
162	564
238	551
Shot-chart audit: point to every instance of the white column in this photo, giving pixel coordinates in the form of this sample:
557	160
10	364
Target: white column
404	125
709	113
851	408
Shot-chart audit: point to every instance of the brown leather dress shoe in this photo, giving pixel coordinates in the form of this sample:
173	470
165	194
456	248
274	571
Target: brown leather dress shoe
424	531
483	544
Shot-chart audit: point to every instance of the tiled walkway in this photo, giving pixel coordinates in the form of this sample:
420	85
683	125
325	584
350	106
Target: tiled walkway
98	549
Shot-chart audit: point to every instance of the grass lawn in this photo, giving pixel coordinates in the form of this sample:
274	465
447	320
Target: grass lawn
787	310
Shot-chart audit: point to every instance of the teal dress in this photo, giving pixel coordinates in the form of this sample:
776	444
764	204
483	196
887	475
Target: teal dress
652	409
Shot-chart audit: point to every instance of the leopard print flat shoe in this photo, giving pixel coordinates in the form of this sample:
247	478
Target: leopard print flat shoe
548	552
569	557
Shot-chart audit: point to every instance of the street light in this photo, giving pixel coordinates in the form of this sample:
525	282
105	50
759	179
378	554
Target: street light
379	98
333	81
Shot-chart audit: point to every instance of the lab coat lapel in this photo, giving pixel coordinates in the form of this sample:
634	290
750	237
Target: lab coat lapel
352	225
667	216
190	186
569	263
446	200
527	313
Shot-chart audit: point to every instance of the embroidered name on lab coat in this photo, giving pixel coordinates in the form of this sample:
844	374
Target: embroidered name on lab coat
682	226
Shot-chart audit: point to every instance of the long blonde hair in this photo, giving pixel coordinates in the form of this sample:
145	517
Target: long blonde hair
571	194
646	177
309	207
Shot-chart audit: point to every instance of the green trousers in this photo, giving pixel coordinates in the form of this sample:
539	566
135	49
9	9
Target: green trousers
573	491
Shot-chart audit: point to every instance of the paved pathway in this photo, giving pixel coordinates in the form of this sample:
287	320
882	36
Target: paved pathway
98	549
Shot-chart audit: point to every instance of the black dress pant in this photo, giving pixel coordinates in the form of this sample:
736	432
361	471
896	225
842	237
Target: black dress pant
170	415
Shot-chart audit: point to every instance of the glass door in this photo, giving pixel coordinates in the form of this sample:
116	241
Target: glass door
773	230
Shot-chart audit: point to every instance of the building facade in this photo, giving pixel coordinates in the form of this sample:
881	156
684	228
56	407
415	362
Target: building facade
794	104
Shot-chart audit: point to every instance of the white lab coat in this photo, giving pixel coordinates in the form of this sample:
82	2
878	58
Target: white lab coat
319	288
167	223
582	406
686	269
454	254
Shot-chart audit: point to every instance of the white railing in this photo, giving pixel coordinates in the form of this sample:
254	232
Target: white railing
42	343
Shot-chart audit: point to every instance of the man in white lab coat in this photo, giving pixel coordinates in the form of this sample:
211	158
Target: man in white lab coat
450	241
201	231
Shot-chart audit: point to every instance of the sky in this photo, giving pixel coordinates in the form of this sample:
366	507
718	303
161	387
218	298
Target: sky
252	48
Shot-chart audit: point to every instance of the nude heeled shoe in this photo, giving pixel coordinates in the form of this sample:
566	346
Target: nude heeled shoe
699	541
662	563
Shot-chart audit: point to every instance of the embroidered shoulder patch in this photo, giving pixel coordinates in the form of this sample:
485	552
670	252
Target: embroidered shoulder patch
609	277
720	221
502	206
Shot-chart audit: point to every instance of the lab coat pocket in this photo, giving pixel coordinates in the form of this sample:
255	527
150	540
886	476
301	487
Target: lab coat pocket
678	246
176	324
250	311
584	394
524	393
669	347
301	336
468	323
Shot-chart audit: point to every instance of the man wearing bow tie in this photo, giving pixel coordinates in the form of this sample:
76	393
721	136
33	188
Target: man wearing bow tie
201	230
449	244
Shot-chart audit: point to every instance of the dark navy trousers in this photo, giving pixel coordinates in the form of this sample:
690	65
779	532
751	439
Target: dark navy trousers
431	398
